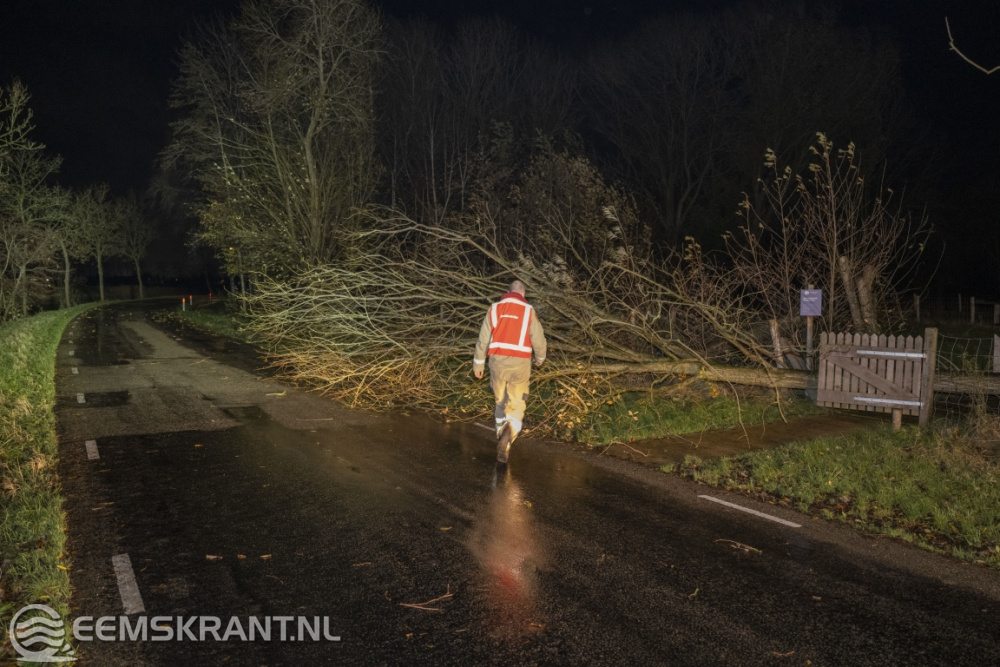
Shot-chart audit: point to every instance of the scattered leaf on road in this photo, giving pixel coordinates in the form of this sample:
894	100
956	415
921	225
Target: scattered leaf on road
211	557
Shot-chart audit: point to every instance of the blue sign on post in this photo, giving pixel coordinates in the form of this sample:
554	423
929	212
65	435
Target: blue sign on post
811	303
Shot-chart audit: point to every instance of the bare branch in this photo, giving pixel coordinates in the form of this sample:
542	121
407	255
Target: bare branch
951	45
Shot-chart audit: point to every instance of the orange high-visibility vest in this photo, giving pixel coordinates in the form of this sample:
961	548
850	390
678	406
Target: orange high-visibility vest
509	320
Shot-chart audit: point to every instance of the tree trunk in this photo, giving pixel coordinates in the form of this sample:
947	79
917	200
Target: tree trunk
865	298
66	276
849	291
23	281
138	275
100	275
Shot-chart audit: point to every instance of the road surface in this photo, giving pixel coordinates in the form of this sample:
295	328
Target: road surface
208	489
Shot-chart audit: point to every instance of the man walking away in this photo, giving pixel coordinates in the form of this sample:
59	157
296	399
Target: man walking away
510	332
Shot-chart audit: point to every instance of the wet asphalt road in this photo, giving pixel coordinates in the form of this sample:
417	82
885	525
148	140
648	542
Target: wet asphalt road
307	508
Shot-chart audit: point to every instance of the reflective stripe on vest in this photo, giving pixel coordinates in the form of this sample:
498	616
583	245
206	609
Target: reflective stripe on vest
507	340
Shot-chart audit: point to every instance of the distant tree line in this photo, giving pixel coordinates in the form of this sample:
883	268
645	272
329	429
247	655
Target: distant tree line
46	229
300	113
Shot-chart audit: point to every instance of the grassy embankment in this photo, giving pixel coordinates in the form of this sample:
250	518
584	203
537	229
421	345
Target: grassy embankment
34	566
937	488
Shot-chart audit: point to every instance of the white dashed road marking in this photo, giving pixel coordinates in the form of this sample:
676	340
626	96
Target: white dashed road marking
72	352
92	450
750	511
76	371
80	398
127	588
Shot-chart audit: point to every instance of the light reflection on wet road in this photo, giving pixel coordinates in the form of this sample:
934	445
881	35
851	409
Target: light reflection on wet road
308	508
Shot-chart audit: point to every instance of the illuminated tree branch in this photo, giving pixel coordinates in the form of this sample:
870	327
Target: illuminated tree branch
951	45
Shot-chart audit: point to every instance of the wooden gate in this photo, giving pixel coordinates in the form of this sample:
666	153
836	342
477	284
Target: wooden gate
878	373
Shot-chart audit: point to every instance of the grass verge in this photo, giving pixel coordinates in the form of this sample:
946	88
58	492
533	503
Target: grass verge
32	533
218	317
938	489
698	407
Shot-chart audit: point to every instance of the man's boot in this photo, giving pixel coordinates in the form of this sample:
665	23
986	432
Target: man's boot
503	444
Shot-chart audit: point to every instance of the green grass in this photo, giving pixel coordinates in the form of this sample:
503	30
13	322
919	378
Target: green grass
32	533
936	489
217	318
642	415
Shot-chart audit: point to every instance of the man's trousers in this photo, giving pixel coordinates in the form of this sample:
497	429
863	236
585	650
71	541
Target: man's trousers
509	378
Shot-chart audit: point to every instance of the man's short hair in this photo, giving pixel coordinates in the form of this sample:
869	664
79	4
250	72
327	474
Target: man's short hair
517	286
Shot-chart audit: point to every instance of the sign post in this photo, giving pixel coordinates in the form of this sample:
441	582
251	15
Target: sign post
810	306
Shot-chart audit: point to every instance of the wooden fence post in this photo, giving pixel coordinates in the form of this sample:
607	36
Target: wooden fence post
916	306
927	376
996	353
776	341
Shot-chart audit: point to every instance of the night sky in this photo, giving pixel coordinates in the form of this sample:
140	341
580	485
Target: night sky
99	71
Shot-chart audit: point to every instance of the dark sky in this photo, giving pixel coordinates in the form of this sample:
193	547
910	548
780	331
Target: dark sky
99	71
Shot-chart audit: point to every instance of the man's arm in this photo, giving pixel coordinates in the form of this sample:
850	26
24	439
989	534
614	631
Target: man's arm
538	343
482	345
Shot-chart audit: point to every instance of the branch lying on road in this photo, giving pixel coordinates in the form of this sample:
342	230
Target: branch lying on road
423	605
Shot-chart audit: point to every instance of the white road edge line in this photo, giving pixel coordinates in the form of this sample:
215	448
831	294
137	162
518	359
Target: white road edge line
92	450
76	371
750	511
127	587
80	398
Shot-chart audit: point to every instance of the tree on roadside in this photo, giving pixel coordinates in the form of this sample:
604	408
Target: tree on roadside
136	234
37	210
830	228
278	127
99	219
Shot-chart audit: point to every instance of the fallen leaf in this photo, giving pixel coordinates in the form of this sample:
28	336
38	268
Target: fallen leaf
265	556
691	597
197	445
211	557
445	527
241	556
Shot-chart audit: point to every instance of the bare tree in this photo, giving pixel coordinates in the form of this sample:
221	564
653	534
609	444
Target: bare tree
440	102
37	211
99	219
660	98
278	126
830	228
136	234
15	122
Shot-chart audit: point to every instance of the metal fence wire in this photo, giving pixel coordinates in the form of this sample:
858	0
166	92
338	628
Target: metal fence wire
977	361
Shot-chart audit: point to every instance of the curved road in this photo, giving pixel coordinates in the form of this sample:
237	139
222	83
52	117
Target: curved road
225	494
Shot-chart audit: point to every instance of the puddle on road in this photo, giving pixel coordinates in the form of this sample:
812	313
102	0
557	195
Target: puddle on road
107	399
